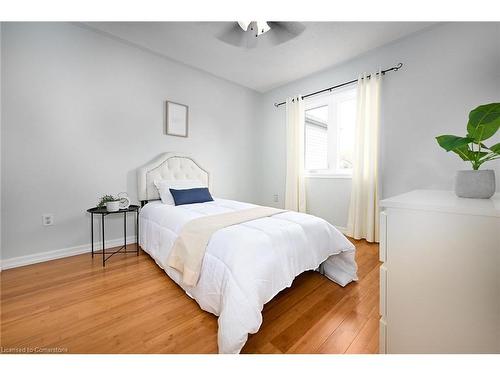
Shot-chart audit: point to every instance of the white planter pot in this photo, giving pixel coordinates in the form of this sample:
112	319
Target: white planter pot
113	206
475	184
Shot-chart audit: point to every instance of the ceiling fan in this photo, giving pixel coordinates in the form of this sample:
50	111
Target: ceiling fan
258	27
250	34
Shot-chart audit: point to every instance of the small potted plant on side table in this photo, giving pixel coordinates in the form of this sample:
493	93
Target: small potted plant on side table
111	203
484	122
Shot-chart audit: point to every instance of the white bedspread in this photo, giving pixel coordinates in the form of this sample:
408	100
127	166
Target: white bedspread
246	265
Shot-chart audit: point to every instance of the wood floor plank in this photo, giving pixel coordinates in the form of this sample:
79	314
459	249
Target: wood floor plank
353	300
131	306
366	300
363	343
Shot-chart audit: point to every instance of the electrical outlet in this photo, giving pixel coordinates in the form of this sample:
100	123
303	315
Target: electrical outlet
275	198
48	219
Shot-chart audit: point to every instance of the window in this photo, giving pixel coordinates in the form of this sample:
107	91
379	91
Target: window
329	133
316	128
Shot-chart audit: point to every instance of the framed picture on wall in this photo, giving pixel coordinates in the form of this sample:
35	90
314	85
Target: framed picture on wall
177	119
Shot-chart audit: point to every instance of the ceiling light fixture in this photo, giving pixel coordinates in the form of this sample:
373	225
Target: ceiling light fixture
259	27
262	27
244	24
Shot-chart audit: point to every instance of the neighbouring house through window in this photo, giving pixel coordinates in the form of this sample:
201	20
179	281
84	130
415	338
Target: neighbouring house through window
330	121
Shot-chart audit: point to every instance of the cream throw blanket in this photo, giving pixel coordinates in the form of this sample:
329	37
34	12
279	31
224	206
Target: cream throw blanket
190	246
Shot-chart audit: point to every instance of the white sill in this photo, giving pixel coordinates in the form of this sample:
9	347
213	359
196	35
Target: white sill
328	175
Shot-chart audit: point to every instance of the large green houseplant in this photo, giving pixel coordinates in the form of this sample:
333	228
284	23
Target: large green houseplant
484	122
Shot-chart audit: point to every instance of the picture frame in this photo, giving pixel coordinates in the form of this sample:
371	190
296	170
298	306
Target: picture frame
177	119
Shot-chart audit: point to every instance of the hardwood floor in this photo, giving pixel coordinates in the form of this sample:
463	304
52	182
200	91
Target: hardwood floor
74	305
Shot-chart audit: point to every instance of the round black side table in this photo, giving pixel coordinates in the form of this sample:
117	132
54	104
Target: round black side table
104	212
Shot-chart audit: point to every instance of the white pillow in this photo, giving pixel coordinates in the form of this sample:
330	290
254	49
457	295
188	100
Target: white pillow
164	187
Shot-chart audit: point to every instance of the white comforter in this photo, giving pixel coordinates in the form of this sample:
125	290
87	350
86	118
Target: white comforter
246	265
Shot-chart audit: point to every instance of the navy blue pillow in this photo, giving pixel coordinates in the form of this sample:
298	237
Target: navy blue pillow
188	196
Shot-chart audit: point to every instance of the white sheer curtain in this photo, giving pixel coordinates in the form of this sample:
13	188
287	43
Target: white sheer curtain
295	195
363	220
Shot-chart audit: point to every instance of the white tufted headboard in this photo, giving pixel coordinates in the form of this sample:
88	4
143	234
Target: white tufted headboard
168	166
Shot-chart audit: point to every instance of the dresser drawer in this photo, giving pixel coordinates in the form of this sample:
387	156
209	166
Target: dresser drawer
383	291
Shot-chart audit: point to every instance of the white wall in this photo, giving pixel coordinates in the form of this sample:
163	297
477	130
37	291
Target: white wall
81	111
329	198
449	69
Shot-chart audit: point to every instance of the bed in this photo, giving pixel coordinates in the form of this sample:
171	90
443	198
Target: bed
244	265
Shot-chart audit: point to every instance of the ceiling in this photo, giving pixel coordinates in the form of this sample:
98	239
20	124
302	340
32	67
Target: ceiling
319	46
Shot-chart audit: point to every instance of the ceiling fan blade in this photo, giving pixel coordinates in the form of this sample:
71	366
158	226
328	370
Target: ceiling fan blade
294	28
282	32
233	35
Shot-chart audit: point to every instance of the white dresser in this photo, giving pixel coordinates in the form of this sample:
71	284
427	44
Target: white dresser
440	277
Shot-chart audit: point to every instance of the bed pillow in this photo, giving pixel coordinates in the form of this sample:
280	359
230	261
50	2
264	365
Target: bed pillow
188	196
164	187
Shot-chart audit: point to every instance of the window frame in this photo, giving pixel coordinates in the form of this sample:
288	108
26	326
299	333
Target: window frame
330	99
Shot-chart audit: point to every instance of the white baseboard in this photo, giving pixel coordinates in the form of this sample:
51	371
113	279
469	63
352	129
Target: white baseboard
60	253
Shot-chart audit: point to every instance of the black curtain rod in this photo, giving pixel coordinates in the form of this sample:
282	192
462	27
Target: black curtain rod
393	69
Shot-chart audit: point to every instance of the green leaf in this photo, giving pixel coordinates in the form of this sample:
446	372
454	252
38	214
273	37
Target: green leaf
464	153
484	121
495	148
491	156
481	154
451	142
